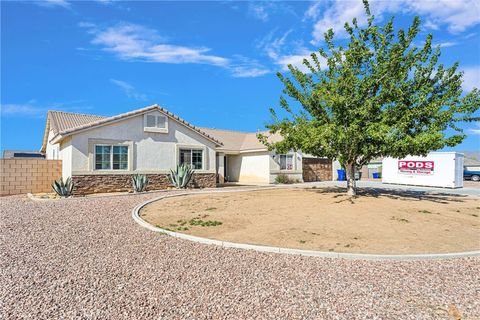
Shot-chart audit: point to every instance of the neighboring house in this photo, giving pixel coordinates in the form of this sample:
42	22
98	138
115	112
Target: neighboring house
471	164
100	154
22	154
374	166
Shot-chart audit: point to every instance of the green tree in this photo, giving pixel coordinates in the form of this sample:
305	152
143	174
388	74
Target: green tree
379	95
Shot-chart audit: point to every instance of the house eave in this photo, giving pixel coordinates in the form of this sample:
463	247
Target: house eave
57	138
236	151
108	121
43	148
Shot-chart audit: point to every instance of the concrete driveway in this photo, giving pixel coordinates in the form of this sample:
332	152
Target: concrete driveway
470	188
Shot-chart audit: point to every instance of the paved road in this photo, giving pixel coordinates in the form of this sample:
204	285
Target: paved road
87	259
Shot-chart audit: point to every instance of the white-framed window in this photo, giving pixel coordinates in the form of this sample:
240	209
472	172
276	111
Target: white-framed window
111	157
286	162
191	157
155	123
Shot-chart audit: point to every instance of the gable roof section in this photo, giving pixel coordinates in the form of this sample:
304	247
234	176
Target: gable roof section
63	121
237	141
64	124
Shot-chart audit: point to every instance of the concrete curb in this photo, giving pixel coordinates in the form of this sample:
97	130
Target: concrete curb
33	198
102	196
351	256
129	194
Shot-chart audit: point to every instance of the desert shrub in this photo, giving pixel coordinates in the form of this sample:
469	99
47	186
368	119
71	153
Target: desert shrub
283	179
139	182
181	176
63	188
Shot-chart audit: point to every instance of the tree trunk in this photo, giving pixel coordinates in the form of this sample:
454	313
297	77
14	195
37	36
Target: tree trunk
351	184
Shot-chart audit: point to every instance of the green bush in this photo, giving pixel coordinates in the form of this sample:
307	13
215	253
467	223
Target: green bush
283	179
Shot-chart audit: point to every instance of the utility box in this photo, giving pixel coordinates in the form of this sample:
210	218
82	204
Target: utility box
437	169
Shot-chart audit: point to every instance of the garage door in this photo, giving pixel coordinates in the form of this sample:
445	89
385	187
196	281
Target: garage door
317	169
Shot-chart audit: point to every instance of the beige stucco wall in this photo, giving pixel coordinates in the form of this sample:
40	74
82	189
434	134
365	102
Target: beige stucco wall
295	174
65	153
221	167
149	152
261	167
249	168
52	150
60	151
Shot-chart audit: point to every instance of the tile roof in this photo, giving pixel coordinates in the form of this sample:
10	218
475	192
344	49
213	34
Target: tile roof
63	121
67	123
238	141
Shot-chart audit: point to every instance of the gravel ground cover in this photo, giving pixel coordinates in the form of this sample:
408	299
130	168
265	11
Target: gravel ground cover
87	259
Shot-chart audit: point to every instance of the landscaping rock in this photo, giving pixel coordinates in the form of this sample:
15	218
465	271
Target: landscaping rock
87	259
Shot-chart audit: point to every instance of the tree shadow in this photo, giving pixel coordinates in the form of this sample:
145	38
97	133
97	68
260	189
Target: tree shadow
403	195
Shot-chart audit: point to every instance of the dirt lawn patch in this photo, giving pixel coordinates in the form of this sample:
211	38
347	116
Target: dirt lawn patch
381	222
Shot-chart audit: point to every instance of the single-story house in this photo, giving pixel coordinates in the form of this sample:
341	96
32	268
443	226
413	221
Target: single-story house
22	154
374	166
471	162
100	154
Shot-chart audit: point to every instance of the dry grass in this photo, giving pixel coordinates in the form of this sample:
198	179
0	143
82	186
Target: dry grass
326	219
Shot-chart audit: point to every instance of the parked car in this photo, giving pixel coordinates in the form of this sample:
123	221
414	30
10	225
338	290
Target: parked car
471	175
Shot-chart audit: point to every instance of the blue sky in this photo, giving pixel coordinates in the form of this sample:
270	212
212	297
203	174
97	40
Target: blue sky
212	63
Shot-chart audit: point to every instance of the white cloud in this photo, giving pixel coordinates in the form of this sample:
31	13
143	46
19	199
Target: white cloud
471	78
447	44
283	54
133	42
335	17
429	24
295	60
87	25
129	90
455	15
31	109
258	11
469	35
53	3
261	10
313	11
22	110
247	68
475	130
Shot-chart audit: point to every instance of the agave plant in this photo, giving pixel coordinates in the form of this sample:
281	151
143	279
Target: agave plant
139	182
181	176
63	189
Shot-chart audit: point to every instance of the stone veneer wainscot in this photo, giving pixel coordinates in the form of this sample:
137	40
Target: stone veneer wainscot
88	184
